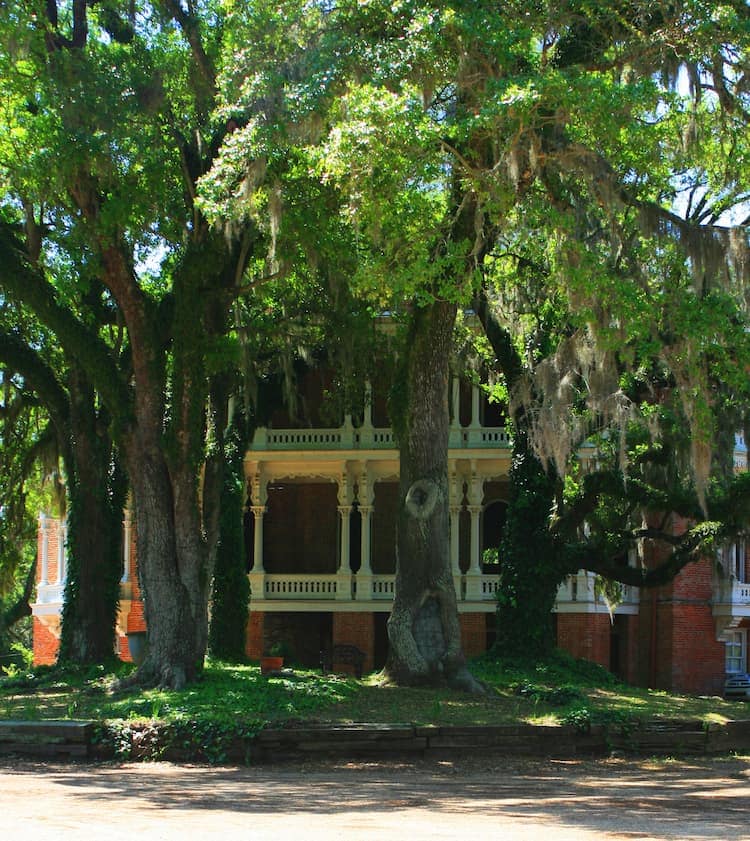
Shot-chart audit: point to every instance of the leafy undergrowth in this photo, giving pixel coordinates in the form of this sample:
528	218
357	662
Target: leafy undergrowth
232	702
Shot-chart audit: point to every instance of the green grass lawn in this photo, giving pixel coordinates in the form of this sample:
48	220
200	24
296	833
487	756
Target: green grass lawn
559	690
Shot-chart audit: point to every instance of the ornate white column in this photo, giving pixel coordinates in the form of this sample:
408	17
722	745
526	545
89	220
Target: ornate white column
365	512
44	522
62	533
454	431
344	572
366	432
455	498
475	493
258	512
475	421
259	497
365	499
127	528
344	559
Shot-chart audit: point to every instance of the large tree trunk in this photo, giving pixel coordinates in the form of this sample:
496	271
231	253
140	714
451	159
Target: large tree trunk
96	495
423	629
172	564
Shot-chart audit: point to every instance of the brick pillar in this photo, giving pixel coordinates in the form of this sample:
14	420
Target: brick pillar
356	629
46	643
254	635
585	635
473	633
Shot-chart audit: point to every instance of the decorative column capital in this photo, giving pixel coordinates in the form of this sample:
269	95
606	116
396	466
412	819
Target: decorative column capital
345	510
365	489
344	489
258	489
475	509
258	511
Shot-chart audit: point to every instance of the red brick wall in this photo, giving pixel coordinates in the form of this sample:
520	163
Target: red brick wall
473	633
356	629
682	635
45	643
585	635
254	635
629	653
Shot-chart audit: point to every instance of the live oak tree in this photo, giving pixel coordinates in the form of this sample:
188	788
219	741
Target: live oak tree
111	124
455	130
630	336
23	435
74	436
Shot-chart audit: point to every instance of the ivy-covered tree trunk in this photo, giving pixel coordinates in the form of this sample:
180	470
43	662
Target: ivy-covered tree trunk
530	570
231	590
96	495
423	629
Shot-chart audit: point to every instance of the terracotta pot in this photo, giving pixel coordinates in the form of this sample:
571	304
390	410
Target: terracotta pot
271	664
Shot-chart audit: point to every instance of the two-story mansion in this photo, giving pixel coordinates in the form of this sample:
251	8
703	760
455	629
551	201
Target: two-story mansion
320	528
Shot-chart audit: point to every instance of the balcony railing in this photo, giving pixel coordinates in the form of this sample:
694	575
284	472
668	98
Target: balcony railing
335	586
732	592
368	438
318	587
578	593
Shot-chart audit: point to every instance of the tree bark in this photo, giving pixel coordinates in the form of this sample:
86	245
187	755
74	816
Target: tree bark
423	629
96	495
171	560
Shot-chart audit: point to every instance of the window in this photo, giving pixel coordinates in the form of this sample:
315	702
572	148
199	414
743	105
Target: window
736	652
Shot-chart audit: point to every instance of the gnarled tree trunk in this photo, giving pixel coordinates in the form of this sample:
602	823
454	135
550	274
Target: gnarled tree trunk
423	629
172	565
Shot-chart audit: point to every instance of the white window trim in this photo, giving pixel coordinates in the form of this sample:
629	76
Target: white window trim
734	638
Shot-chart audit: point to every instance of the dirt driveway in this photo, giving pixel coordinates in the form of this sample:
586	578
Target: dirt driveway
490	798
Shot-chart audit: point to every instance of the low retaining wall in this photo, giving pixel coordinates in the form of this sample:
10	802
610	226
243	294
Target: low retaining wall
46	738
149	741
664	737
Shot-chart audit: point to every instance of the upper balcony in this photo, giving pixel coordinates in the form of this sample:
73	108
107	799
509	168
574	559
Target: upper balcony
475	424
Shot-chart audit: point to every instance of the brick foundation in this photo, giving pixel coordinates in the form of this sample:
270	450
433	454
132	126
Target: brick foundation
356	629
254	635
473	633
46	643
